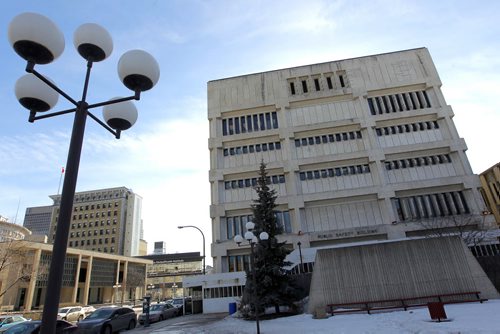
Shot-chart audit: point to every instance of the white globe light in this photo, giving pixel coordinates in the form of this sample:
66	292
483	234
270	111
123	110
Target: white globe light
93	42
120	116
264	236
35	38
238	239
250	226
34	94
249	235
138	70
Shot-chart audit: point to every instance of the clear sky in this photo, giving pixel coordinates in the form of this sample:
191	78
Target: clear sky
164	157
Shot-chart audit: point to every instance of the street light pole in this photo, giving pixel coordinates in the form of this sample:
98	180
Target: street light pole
252	240
39	41
300	254
180	227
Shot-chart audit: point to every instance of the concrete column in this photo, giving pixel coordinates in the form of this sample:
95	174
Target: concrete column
77	278
86	289
124	283
33	279
116	281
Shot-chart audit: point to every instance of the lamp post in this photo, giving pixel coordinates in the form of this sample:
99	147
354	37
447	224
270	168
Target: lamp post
300	254
179	227
39	41
252	240
174	289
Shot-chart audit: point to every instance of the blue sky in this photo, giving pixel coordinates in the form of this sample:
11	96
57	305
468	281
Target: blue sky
198	41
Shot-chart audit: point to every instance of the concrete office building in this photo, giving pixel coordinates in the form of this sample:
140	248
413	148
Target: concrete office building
166	275
89	277
357	149
490	181
37	219
104	220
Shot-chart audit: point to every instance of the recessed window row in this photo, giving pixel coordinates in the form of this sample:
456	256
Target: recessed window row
228	291
402	128
399	102
94	206
90	242
91	224
97	215
316	83
485	250
330	138
431	206
95	232
252	182
87	197
237	224
249	123
333	172
418	162
252	148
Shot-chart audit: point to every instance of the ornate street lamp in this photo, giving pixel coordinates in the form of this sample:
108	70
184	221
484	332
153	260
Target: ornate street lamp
252	240
39	41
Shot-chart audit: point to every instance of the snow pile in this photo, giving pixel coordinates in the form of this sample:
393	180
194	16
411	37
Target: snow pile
462	318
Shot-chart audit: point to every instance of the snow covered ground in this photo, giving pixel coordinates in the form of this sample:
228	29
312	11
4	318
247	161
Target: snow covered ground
463	318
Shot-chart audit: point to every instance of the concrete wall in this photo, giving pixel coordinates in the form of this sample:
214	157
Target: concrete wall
397	269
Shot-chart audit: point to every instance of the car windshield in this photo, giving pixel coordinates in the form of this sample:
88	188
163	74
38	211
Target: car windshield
101	313
177	301
24	327
64	310
156	307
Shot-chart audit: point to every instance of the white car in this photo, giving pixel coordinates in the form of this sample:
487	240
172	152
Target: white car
71	313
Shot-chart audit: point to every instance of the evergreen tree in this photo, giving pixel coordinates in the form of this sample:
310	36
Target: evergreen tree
274	285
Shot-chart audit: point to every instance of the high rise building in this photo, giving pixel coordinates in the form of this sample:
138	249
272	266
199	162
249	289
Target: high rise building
357	149
104	220
159	247
37	219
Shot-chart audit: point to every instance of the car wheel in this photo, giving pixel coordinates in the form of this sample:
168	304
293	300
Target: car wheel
131	324
107	330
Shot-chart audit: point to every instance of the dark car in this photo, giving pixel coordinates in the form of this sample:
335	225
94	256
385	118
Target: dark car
107	320
159	312
33	327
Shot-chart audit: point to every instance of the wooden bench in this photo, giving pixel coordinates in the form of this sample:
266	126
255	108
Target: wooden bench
404	303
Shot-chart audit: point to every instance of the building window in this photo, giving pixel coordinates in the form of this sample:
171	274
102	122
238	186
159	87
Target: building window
292	88
342	83
430	206
304	86
329	82
316	84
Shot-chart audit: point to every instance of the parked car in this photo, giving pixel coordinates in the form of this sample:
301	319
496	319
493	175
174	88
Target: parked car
88	309
180	303
33	327
159	312
7	321
72	313
107	320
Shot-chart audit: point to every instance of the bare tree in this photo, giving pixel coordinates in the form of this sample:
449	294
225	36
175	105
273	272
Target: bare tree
471	228
14	267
